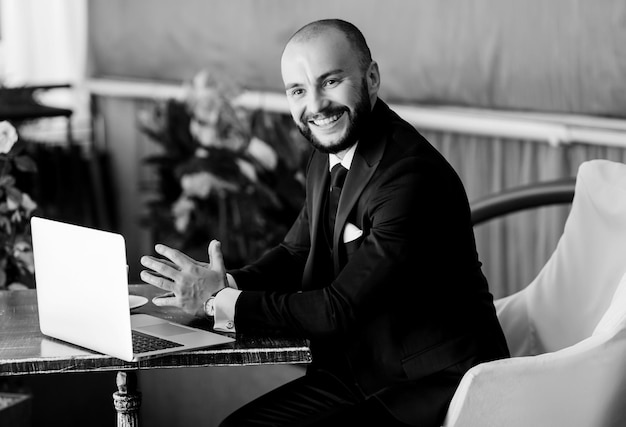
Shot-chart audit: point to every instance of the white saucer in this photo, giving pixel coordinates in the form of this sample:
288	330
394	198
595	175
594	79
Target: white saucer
136	301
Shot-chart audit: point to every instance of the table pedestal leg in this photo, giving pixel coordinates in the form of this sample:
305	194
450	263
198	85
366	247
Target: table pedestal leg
127	399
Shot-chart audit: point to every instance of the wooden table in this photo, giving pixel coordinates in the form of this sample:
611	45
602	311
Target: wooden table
25	350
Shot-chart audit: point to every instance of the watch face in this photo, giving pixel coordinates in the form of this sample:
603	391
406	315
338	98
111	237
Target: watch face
209	307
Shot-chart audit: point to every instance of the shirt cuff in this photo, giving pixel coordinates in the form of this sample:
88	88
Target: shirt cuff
231	281
224	304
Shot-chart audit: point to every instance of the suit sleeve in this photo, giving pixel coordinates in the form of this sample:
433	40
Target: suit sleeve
372	271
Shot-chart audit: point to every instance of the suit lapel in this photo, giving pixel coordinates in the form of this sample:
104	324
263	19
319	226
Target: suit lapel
366	159
319	183
316	272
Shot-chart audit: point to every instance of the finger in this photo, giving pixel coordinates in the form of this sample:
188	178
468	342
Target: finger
164	261
163	301
170	263
166	295
167	262
177	257
161	267
216	259
158	281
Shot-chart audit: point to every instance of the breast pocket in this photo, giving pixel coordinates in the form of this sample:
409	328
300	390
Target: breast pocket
352	237
352	246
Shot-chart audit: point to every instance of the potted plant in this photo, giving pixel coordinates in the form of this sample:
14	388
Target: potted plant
16	208
222	172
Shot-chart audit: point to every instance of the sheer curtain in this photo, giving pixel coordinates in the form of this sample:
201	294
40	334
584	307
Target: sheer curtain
45	42
514	248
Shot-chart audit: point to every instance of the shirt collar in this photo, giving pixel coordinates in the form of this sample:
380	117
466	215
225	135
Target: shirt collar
333	159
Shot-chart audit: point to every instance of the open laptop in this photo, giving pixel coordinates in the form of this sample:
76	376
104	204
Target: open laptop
82	294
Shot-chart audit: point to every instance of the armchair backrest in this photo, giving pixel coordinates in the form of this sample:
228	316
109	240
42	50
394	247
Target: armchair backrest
573	290
614	319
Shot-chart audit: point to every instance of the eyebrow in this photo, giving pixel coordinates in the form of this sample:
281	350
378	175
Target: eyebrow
320	78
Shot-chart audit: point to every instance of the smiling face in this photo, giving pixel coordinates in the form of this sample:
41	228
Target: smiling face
330	95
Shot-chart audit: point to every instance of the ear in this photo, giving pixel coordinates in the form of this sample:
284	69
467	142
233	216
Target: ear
373	79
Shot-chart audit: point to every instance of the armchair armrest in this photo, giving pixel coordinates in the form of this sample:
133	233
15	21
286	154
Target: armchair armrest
523	197
576	386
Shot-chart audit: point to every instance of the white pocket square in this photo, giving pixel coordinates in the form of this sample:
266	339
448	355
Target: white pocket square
351	232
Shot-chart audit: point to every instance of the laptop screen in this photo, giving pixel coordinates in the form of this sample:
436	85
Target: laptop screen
82	286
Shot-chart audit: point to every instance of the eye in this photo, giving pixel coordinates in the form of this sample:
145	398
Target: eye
331	82
295	92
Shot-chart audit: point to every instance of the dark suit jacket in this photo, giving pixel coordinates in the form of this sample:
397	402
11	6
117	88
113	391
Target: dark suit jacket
406	300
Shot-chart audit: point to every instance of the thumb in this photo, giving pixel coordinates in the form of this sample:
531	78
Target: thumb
216	259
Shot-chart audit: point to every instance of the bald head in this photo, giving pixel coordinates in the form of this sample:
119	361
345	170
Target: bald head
351	33
331	83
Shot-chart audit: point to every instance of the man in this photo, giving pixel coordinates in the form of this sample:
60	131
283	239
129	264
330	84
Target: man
391	297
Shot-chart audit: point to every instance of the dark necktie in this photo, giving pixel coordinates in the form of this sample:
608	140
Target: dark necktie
337	177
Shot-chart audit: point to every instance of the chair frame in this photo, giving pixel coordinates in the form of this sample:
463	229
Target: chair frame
520	198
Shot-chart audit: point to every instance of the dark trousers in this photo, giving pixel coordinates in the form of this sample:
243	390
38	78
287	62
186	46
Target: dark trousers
318	399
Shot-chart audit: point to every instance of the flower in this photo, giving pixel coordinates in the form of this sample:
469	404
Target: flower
200	184
16	208
222	171
181	210
214	121
8	137
196	184
263	153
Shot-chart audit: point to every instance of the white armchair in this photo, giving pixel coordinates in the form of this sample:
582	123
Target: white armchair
567	329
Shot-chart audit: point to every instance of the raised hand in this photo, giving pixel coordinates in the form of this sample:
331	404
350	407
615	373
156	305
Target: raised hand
192	282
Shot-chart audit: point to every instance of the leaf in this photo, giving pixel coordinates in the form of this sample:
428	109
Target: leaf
5	223
25	164
19	146
156	136
5	169
159	160
7	181
14	194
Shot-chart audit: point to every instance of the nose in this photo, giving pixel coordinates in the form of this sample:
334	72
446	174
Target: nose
316	101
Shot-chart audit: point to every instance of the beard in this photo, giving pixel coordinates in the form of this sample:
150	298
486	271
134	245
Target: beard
357	121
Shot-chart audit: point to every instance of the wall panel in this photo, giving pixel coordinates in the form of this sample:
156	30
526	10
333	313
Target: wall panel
559	56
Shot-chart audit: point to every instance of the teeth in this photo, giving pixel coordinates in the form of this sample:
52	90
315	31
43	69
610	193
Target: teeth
326	121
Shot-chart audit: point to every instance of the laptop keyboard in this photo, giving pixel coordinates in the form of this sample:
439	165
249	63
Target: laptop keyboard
144	342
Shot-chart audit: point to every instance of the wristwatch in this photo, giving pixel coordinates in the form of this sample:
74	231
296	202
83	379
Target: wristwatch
209	305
